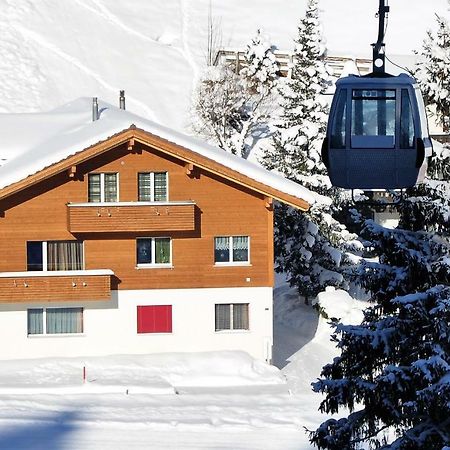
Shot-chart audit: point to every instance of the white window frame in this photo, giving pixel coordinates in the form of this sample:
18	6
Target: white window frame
45	256
230	261
102	186
152	183
153	264
232	329
44	322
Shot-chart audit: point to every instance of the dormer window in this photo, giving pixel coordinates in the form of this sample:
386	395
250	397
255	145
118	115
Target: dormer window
103	187
152	187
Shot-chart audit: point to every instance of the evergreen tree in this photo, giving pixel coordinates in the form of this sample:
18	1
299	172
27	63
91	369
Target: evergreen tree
231	109
433	71
302	125
394	370
310	247
261	68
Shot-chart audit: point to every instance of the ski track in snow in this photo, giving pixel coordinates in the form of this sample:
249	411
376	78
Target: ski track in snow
185	23
44	43
102	11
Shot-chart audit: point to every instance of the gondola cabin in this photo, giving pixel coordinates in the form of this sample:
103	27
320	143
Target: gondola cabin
377	135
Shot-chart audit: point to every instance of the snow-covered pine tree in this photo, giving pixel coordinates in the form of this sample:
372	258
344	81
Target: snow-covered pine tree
301	127
433	71
261	68
393	374
231	109
309	247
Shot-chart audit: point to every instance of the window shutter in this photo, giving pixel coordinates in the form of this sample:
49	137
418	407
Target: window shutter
154	319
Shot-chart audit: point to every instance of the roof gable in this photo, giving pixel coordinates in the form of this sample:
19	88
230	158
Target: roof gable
190	157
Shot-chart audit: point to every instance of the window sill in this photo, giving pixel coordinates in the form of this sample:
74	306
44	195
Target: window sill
57	335
232	264
154	266
232	331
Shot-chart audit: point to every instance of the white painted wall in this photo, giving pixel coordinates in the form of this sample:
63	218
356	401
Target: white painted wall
111	327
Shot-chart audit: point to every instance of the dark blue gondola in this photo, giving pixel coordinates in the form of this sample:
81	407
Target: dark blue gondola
377	134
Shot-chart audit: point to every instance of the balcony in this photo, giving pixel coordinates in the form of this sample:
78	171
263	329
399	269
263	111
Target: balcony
55	286
131	217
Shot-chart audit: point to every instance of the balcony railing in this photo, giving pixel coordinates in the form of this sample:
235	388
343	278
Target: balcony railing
131	217
55	286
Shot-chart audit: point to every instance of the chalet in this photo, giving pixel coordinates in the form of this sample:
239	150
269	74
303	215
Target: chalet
118	235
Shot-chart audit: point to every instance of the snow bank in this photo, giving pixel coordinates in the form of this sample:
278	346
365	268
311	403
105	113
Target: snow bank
306	364
338	304
155	374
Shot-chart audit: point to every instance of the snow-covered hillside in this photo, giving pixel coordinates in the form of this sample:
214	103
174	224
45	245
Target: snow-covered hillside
54	51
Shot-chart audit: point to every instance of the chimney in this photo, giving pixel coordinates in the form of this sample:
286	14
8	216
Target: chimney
94	109
122	100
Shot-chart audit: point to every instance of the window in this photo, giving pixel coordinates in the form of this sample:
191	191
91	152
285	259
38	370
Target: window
154	251
373	118
55	255
152	187
103	187
154	319
231	249
406	122
55	321
339	122
232	316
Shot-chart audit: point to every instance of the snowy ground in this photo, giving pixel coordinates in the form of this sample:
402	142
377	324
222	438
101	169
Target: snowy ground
223	400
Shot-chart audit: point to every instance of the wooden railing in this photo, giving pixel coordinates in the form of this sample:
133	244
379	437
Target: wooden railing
131	217
55	286
236	59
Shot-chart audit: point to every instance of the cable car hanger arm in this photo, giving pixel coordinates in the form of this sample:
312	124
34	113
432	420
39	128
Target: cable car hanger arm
378	58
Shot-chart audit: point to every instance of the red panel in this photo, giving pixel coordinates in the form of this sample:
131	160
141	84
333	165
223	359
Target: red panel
154	319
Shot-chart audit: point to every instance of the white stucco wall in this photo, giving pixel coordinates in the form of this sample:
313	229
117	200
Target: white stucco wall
111	327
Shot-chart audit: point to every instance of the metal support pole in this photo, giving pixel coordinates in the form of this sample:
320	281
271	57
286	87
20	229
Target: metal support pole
378	57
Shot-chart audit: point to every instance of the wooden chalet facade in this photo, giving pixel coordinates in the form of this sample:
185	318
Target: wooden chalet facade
136	244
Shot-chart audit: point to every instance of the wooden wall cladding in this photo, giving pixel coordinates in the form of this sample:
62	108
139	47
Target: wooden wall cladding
129	218
222	209
55	288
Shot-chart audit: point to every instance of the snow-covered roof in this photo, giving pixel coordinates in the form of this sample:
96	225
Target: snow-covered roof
31	142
